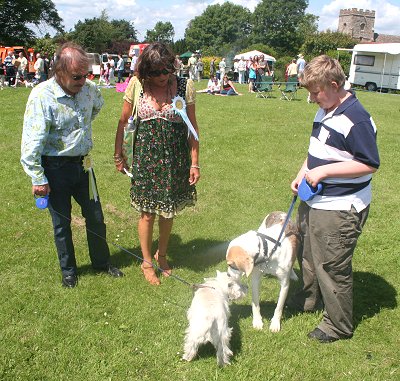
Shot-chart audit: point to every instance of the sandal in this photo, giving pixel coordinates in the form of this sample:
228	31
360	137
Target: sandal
163	264
150	275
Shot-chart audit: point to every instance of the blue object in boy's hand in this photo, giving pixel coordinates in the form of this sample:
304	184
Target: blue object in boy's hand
42	201
306	192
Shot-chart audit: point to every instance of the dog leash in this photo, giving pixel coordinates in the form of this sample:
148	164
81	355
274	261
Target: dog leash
289	213
193	286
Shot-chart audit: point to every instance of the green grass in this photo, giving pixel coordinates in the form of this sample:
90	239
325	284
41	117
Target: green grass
125	329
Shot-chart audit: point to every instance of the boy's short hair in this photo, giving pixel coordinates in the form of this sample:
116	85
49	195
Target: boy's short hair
322	71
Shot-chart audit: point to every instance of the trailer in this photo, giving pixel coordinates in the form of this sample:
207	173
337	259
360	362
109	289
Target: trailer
376	66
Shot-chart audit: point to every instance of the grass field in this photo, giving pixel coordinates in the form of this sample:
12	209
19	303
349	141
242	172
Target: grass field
125	329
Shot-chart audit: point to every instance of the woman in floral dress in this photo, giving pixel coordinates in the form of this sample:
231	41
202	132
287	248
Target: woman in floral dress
165	164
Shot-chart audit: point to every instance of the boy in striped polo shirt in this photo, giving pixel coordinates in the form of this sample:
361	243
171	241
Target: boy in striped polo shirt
342	156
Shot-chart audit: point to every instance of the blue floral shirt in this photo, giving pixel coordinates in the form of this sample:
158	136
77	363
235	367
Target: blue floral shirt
57	124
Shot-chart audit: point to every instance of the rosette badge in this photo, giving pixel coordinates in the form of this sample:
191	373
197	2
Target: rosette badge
179	106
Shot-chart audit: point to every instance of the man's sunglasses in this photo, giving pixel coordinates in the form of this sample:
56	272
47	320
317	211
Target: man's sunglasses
79	77
157	73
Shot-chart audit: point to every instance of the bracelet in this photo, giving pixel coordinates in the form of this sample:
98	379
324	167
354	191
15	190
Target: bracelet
195	166
117	156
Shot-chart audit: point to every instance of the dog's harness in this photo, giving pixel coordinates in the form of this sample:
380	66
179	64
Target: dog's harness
262	256
266	257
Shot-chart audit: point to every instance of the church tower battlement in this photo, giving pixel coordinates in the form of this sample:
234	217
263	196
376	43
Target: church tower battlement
358	23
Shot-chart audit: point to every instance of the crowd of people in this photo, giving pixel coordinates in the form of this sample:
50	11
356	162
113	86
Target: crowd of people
165	169
14	70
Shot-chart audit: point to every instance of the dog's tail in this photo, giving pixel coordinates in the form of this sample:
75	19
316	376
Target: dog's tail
293	275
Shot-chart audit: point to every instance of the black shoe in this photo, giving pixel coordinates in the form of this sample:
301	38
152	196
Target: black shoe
115	272
111	270
321	336
69	281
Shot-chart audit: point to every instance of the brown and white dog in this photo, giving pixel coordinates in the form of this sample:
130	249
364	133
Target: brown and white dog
253	254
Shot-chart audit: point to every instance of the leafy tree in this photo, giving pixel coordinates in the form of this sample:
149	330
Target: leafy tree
308	26
343	57
321	43
101	35
92	34
46	45
16	15
277	23
179	46
219	28
162	32
123	30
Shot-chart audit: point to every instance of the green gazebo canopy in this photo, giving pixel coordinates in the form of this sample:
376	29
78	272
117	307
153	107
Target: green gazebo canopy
186	54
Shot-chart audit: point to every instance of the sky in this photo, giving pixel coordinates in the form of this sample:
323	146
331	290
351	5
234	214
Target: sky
146	13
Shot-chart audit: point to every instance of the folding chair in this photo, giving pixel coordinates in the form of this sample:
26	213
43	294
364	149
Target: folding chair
264	87
290	90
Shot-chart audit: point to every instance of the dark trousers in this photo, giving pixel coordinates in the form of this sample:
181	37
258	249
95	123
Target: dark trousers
10	75
68	179
120	76
329	239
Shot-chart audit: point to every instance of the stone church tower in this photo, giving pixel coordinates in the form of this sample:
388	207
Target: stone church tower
357	23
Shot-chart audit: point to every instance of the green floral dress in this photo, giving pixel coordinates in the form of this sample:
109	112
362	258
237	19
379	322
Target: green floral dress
161	160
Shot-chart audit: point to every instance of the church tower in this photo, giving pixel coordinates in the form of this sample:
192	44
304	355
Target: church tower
357	23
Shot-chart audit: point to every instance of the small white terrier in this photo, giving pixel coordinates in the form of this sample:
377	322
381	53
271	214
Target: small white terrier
209	314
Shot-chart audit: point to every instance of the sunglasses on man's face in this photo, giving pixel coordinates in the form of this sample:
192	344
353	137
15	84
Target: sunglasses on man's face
79	77
157	73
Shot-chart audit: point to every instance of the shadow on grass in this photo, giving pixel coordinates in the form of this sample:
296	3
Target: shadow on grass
372	293
197	255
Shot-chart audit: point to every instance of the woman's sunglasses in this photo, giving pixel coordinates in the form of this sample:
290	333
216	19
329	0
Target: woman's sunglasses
157	73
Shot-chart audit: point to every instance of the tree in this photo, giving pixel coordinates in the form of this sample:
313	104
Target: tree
100	35
123	30
327	43
277	23
93	35
45	45
219	28
321	43
162	32
179	46
15	17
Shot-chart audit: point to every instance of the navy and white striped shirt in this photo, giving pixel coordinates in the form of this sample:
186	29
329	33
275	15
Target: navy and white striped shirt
345	134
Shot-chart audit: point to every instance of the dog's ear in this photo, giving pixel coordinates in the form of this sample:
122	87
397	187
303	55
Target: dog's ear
238	257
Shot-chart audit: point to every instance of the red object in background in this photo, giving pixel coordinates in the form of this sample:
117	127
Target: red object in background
137	49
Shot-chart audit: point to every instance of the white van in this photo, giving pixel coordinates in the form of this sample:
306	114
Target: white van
376	66
94	63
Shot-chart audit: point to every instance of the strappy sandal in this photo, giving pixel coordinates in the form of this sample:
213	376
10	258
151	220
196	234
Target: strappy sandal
163	264
150	275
